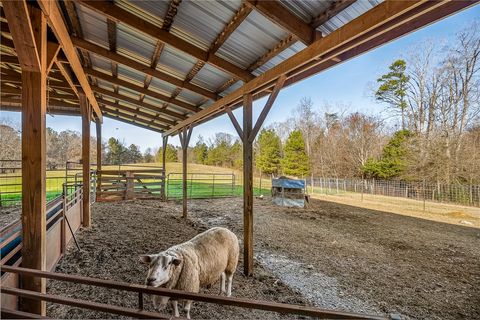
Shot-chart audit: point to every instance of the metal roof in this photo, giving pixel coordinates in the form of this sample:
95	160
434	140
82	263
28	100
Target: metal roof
168	45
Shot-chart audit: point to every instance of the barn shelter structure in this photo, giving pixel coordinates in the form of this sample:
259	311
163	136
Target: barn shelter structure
169	66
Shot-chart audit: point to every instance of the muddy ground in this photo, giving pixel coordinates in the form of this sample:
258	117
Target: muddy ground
329	255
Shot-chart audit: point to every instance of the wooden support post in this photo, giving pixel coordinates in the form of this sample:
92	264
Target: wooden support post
247	186
34	102
164	167
130	185
86	116
248	134
98	126
184	140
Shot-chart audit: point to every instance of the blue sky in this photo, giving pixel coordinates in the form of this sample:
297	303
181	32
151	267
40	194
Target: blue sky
345	84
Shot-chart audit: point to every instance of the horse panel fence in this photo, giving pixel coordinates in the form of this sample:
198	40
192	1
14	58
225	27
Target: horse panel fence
468	195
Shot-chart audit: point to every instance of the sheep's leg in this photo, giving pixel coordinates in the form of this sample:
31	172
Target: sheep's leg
176	314
159	303
222	284
229	285
188	305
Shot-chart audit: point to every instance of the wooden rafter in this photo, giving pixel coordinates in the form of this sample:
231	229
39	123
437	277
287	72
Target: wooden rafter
68	77
144	125
136	112
57	24
126	116
334	9
282	45
373	25
283	17
231	26
120	15
91	47
140	89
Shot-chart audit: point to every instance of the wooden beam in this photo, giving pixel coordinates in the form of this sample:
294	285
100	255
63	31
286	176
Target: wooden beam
170	14
282	45
136	102
116	108
267	107
386	16
164	164
247	186
231	26
98	127
114	114
68	77
21	28
235	123
283	17
34	104
86	118
138	112
91	47
120	15
57	24
52	51
16	91
334	9
151	93
184	140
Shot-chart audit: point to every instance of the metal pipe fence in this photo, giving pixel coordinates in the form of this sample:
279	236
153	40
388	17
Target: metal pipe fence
468	195
202	185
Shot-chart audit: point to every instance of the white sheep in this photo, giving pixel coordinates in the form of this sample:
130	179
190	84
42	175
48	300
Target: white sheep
199	262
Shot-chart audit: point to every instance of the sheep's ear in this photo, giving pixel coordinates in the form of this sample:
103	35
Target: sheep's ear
145	258
176	261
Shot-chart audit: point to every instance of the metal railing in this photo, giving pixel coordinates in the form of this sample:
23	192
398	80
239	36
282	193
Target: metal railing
141	290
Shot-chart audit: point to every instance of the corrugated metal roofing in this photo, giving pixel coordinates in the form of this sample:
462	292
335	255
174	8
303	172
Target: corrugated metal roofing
175	62
200	22
161	86
307	9
210	77
254	37
131	75
351	12
94	26
133	44
151	11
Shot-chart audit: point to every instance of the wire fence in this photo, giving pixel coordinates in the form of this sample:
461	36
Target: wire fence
468	195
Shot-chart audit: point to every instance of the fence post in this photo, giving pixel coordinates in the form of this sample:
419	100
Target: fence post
213	186
424	196
337	185
363	186
62	226
130	189
233	184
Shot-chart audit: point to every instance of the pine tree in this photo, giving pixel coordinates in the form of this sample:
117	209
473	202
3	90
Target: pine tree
170	154
200	151
393	88
269	152
392	162
295	161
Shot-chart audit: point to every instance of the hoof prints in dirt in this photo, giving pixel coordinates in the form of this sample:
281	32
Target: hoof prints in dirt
122	231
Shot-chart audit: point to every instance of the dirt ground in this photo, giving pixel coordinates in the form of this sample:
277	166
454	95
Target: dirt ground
329	255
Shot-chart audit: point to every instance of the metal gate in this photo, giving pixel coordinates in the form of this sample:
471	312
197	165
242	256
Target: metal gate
202	185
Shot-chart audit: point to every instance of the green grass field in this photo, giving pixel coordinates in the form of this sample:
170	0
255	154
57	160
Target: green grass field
200	182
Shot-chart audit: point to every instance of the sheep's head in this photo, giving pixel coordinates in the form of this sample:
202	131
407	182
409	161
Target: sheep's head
161	267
